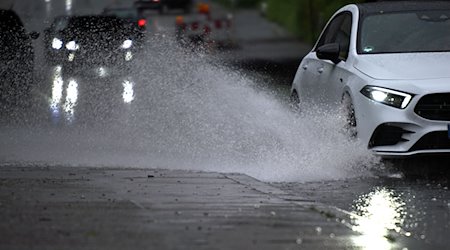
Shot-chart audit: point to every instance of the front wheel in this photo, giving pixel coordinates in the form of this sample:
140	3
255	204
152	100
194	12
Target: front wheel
349	114
294	102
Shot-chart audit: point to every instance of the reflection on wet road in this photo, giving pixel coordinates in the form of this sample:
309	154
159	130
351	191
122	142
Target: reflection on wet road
375	215
182	111
388	211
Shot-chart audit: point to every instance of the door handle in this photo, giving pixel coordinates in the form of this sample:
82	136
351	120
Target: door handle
305	67
320	70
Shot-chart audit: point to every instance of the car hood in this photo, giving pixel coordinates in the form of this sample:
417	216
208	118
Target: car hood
404	66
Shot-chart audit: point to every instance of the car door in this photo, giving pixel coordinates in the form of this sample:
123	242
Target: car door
314	71
330	76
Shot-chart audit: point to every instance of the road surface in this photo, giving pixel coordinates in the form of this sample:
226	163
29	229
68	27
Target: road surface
80	156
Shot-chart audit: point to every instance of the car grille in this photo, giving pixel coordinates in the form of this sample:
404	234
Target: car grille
434	107
433	141
388	135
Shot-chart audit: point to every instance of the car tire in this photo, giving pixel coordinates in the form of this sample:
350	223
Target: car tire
349	114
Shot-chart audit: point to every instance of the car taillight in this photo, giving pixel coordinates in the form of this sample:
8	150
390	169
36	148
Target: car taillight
206	30
142	22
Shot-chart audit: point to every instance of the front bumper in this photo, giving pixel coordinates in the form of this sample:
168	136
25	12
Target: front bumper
392	132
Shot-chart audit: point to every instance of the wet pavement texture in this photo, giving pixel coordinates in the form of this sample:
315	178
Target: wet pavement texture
414	206
80	119
87	208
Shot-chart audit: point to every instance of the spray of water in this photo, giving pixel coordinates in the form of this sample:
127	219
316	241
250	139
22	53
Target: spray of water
186	111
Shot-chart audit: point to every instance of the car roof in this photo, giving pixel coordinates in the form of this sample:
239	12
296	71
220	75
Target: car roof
92	18
400	6
120	9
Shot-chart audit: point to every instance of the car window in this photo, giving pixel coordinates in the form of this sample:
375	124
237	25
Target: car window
414	31
338	31
329	34
343	36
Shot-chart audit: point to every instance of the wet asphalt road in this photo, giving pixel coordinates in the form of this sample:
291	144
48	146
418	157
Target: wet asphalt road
388	200
416	206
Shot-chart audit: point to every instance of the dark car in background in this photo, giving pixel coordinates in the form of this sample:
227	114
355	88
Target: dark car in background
16	56
163	6
84	43
133	19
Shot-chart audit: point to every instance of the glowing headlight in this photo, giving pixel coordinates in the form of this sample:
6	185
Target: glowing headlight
72	45
57	43
387	96
127	44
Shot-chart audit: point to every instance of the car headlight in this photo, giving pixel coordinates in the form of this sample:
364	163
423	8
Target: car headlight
127	44
57	43
72	45
387	96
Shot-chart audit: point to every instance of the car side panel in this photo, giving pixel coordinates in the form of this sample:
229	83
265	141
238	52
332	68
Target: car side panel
305	82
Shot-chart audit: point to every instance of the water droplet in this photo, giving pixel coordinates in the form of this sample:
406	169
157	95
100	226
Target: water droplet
318	230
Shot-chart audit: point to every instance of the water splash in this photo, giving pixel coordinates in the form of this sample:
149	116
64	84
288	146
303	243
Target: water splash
190	112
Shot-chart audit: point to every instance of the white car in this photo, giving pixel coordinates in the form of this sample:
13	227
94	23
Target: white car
388	63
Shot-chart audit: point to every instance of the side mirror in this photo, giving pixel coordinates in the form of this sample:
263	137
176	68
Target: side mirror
329	52
34	35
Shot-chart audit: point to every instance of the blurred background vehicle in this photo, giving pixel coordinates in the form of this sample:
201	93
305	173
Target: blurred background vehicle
16	56
163	6
206	29
91	42
133	19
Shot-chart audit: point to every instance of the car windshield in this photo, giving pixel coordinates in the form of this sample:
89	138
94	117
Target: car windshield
404	32
95	24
